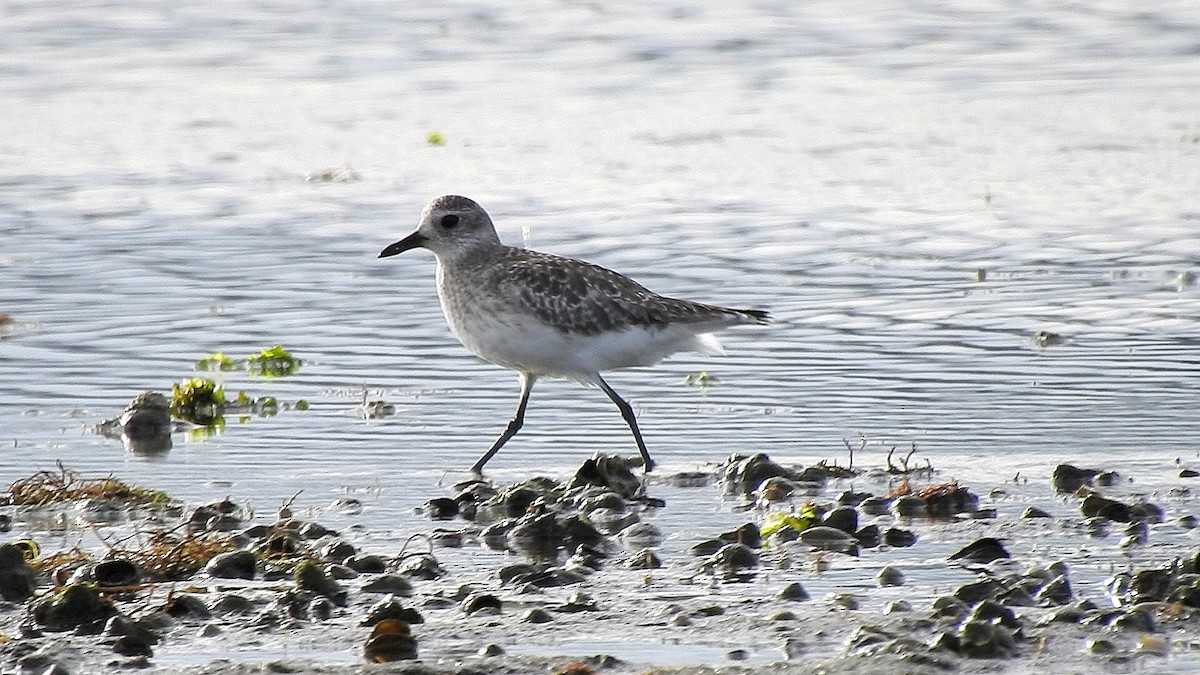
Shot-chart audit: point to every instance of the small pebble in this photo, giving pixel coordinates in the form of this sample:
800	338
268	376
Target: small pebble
492	649
536	615
793	591
844	600
890	576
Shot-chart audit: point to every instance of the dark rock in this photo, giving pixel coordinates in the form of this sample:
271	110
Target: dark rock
309	577
551	577
812	479
1035	512
793	591
481	602
899	538
1107	478
645	559
706	547
132	646
830	539
943	501
515	570
366	563
908	506
441	508
233	565
605	500
337	551
231	603
994	612
1151	585
536	615
843	518
17	579
777	489
731	559
389	583
77	605
875	506
321	609
950	607
984	639
390	608
577	531
1067	478
608	471
119	626
690	479
747	533
447	538
1136	533
1137	621
1056	592
146	424
115	573
1017	596
743	475
186	605
977	591
641	535
869	536
851	498
585	559
423	566
312	530
514	501
1145	512
1188	473
982	551
538	536
1094	505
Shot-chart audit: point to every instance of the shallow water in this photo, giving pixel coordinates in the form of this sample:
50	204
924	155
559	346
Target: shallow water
913	193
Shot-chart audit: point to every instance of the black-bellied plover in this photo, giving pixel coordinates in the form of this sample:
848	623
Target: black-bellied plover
544	315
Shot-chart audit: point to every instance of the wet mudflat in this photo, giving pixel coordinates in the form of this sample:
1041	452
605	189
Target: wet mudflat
826	566
976	228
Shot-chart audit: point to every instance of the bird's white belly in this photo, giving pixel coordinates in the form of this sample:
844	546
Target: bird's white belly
523	343
518	340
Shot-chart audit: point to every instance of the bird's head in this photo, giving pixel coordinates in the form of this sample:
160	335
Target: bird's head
451	226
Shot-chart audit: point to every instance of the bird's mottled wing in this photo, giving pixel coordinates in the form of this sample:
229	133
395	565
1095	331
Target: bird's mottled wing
574	296
582	298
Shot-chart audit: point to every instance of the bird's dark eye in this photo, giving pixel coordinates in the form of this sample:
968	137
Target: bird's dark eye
449	221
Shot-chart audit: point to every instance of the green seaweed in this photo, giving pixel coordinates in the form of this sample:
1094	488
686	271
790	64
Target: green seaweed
273	362
216	361
198	400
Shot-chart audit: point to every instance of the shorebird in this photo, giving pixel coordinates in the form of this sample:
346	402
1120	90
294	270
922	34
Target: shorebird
546	316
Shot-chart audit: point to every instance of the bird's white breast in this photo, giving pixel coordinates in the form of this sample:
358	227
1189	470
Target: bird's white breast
498	329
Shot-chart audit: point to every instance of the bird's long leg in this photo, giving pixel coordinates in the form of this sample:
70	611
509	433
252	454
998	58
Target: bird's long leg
627	413
514	425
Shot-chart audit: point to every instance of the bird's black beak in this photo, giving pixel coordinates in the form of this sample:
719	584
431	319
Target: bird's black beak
414	240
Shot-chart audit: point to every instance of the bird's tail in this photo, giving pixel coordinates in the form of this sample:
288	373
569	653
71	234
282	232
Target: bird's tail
754	315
